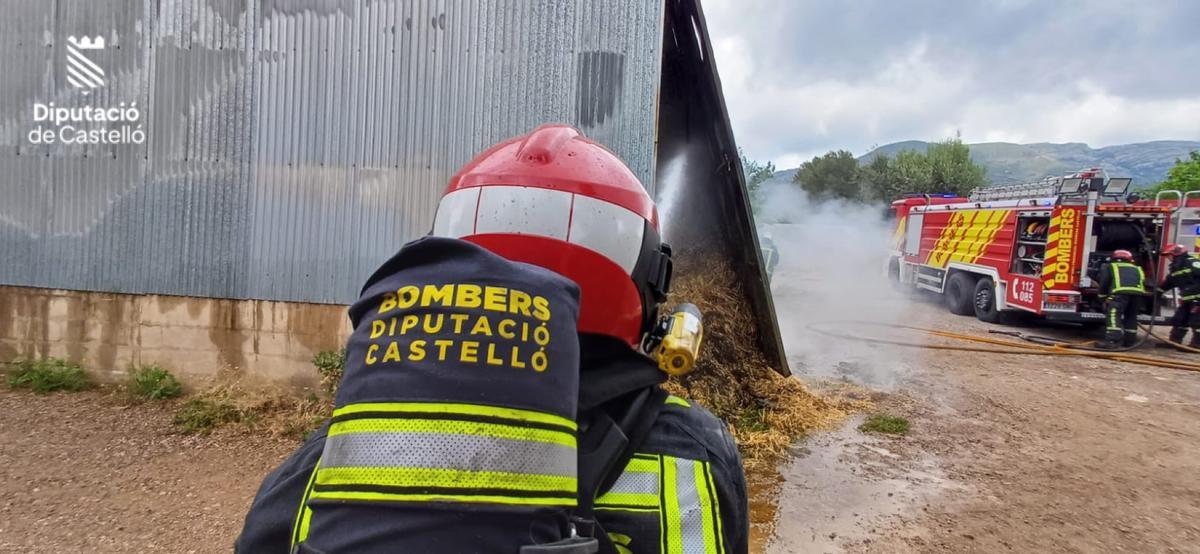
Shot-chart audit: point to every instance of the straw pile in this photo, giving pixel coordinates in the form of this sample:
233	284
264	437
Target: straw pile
766	412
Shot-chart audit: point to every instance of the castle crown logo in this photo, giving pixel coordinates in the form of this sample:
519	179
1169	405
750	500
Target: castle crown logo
82	71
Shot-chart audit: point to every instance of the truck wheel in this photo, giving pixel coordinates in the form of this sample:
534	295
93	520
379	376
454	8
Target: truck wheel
985	302
959	288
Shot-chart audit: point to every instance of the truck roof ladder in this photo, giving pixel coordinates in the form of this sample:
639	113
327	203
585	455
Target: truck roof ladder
1046	188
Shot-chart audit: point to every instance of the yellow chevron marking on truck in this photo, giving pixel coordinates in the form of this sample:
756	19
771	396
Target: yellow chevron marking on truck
898	236
943	238
986	235
958	232
994	226
937	257
967	236
1051	249
970	236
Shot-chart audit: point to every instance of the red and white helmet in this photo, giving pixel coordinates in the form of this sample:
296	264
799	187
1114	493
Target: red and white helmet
1123	255
555	199
1175	250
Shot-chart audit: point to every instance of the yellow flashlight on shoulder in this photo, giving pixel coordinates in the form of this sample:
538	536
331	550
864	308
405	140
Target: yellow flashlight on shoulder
680	346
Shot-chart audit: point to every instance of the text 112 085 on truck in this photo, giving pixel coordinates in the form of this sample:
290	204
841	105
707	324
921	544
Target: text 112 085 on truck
1032	247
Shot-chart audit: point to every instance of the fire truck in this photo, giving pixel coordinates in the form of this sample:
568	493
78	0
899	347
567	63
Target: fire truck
1034	248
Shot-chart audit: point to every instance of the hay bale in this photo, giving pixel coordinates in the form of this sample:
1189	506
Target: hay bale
765	411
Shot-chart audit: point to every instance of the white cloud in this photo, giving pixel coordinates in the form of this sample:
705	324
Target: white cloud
801	79
1084	112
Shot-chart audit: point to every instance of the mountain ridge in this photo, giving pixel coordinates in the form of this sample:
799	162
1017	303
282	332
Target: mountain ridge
1007	162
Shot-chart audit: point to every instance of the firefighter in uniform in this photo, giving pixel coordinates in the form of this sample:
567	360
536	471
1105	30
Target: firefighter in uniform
1122	284
1184	274
656	473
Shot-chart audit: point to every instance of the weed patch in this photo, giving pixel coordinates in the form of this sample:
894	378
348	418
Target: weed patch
152	382
330	364
202	415
276	413
886	424
48	375
293	418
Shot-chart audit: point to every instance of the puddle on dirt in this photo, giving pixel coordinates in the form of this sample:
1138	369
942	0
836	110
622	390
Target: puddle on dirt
763	489
838	487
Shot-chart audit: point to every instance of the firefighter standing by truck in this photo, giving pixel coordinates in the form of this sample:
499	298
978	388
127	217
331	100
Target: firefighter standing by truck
1184	274
655	473
1122	284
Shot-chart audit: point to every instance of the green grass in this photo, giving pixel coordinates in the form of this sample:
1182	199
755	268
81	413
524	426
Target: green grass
753	419
153	382
886	424
202	415
48	375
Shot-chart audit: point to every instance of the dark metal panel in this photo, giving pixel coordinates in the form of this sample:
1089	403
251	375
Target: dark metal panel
702	192
291	146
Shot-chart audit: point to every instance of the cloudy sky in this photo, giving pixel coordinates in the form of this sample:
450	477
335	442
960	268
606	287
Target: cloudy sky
802	77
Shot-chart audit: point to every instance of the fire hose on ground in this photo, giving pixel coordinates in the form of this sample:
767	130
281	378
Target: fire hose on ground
1010	347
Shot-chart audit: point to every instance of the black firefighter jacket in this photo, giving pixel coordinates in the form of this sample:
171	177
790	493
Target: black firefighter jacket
683	491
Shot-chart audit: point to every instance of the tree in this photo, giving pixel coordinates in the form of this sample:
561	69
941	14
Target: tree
832	176
1184	176
951	168
756	173
878	179
912	172
947	167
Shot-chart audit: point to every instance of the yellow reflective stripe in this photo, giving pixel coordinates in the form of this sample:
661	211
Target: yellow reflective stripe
464	498
621	542
672	399
445	426
1116	271
690	517
648	465
630	509
715	506
304	514
615	500
422	451
1118	286
462	409
672	532
628	499
433	477
708	508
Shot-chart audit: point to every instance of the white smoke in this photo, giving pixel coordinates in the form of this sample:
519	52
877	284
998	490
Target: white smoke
670	190
832	260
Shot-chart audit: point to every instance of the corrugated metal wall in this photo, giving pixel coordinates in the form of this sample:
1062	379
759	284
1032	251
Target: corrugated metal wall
291	146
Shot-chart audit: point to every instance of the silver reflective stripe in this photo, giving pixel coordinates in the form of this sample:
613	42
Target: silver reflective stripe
448	451
636	482
691	513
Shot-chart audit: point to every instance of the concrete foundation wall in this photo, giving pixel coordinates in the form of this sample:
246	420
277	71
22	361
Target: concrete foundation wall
194	338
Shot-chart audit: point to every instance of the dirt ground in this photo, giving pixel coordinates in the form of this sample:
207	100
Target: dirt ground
84	472
1006	454
1020	454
